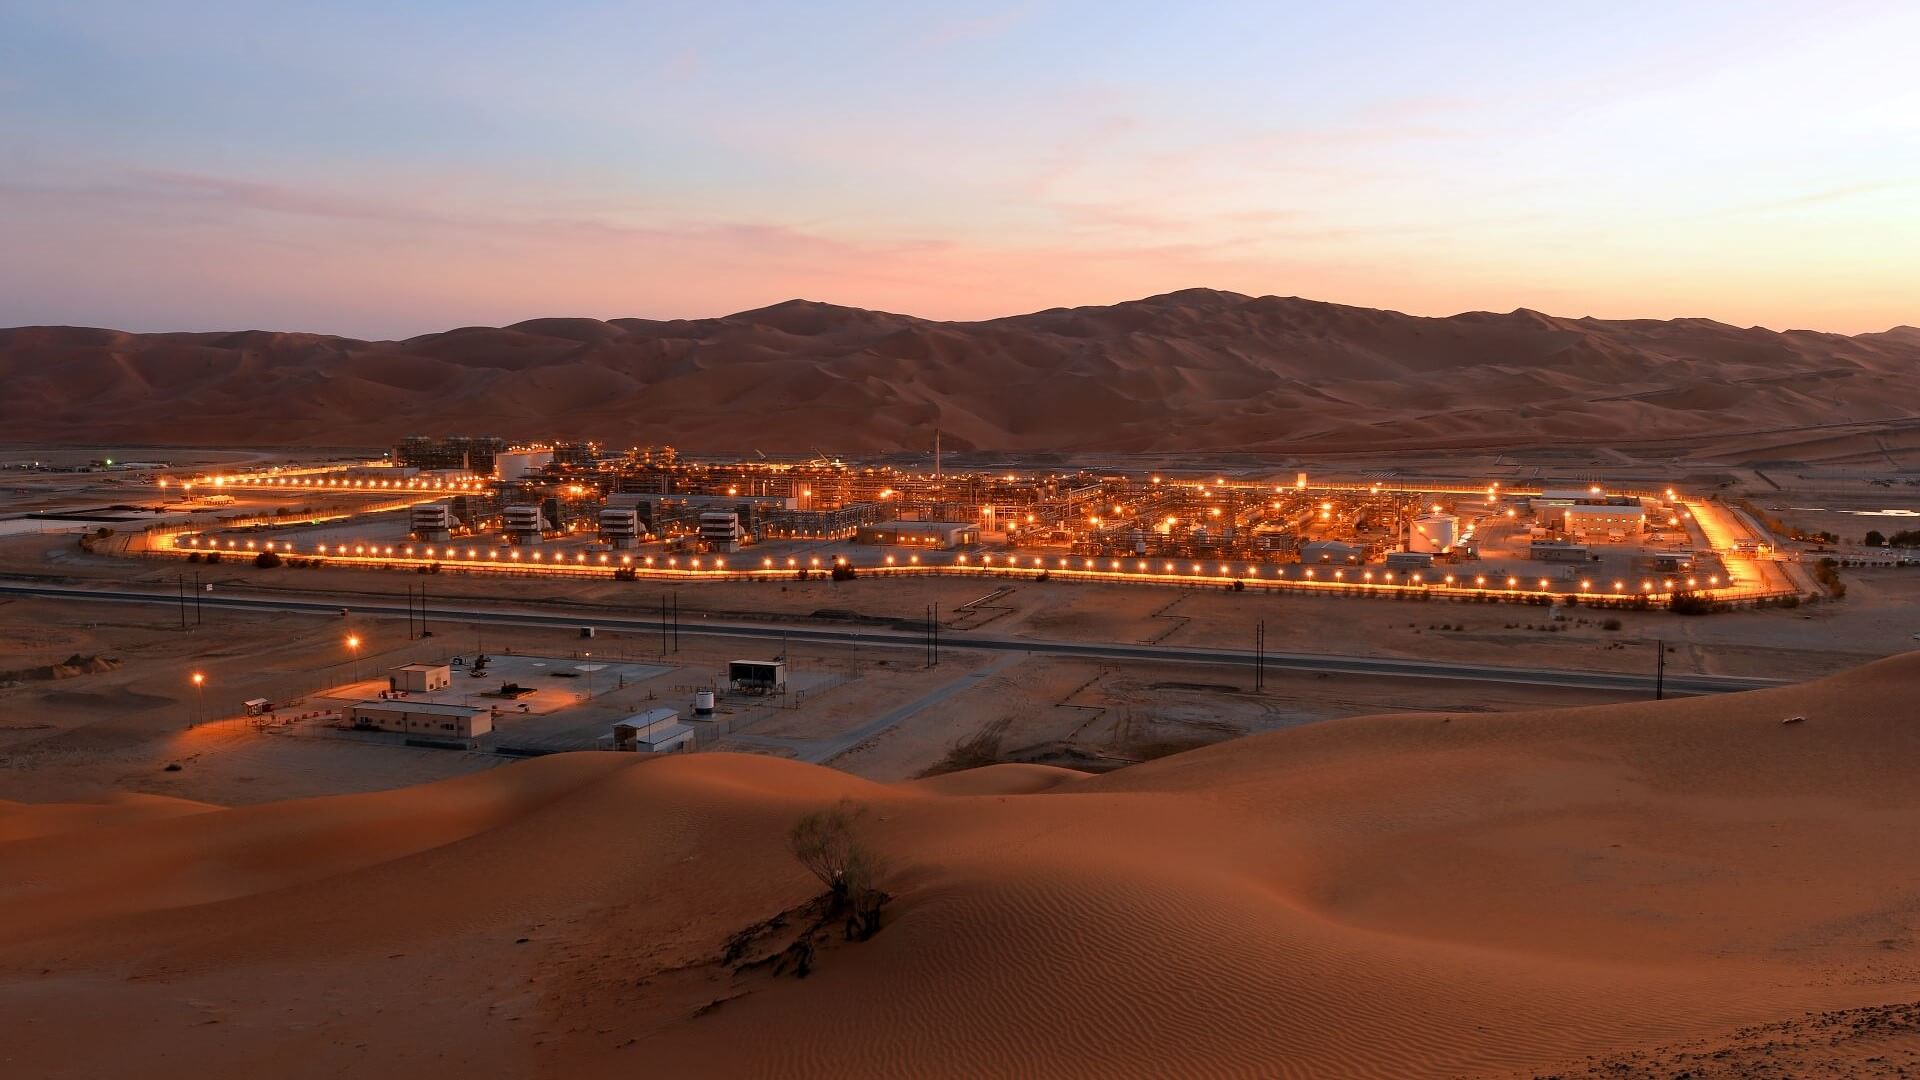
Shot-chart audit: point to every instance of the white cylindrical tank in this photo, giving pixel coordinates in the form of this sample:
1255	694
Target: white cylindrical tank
1433	533
703	703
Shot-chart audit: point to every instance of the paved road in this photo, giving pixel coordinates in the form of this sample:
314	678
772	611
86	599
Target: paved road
882	637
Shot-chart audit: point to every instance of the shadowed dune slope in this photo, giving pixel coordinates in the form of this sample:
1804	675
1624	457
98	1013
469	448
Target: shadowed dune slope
1191	370
1406	895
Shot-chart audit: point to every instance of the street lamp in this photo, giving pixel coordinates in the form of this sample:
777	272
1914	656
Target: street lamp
353	646
199	697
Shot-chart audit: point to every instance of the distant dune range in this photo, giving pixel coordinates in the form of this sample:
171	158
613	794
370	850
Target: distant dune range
1189	371
1391	896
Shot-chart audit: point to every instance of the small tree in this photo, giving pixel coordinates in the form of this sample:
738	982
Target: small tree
1875	539
266	560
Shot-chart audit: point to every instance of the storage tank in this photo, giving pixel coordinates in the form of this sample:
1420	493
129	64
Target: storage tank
1433	533
703	703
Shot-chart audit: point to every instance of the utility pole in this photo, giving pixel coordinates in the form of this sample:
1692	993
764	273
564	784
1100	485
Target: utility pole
197	590
409	613
1660	670
676	620
183	601
663	623
927	635
936	635
1260	656
423	609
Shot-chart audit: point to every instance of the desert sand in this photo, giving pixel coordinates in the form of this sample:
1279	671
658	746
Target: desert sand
1191	370
1619	890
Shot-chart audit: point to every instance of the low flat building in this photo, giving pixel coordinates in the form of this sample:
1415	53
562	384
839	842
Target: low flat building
1670	562
1338	552
1558	551
1410	560
927	534
423	718
421	678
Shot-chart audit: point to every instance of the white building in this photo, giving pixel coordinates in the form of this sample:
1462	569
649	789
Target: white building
425	718
432	522
523	524
619	527
656	731
720	531
422	678
1591	519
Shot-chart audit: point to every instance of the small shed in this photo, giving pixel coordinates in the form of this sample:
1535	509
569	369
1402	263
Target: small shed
757	676
422	678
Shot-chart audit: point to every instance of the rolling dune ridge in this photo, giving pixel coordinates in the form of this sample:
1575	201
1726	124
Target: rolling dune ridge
1407	895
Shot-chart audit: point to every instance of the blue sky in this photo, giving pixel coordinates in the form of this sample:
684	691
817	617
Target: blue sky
384	170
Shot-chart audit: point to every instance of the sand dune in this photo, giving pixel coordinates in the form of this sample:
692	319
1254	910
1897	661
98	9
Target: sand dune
1406	895
1192	370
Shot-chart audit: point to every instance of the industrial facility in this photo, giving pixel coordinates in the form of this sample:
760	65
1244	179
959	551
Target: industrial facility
580	508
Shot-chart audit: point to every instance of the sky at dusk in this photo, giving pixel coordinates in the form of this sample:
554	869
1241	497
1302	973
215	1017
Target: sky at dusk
388	169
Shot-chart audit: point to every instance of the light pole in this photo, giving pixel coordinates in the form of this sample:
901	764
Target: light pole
589	667
353	647
199	698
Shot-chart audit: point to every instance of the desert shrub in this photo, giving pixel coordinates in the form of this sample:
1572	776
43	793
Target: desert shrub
213	556
266	560
824	842
1874	538
1827	573
842	572
1610	624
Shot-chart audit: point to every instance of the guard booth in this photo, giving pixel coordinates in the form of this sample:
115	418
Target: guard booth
258	706
757	676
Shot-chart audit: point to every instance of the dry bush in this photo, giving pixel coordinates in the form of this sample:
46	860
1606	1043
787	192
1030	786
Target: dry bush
824	843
